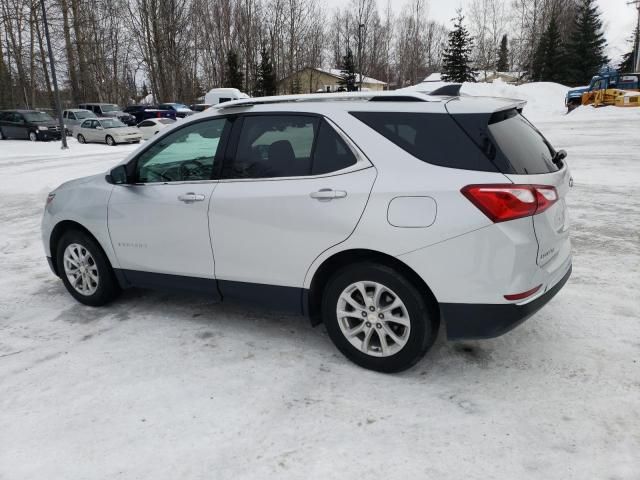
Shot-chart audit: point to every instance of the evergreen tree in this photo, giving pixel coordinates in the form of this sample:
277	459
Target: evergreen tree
233	74
549	59
586	45
503	55
266	84
628	59
456	61
348	72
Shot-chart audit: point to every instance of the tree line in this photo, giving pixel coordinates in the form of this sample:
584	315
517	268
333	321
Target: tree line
120	50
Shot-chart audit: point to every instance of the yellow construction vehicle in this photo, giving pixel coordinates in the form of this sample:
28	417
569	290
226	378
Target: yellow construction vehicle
621	90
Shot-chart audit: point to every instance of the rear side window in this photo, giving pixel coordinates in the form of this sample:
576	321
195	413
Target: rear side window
274	146
432	138
524	147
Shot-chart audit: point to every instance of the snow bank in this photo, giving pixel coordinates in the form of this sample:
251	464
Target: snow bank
543	98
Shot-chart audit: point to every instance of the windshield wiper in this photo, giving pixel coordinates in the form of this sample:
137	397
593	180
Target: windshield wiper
559	156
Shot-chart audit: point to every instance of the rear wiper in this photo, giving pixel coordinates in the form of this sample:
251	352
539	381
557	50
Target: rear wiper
559	156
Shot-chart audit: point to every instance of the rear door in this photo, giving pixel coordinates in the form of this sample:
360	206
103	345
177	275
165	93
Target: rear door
292	188
532	161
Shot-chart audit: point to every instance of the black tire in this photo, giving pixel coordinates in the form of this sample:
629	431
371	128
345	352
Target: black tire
33	136
109	140
2	137
423	318
107	285
81	138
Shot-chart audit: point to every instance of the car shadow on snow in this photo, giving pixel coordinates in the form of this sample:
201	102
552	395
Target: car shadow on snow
210	320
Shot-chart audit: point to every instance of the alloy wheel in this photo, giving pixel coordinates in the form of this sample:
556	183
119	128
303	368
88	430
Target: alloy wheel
81	269
373	318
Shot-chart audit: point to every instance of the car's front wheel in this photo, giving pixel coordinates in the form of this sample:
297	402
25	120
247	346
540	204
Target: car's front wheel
33	136
377	318
85	269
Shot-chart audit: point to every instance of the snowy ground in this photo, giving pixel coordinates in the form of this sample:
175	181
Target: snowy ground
161	386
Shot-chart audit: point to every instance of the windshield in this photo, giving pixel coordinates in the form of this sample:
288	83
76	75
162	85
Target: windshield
166	121
525	148
110	108
112	123
181	106
84	114
37	117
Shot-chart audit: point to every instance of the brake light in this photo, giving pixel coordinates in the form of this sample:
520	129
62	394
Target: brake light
503	202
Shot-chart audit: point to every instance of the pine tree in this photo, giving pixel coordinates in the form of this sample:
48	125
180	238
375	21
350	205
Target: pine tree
456	61
628	59
586	45
348	72
233	74
503	55
266	84
549	58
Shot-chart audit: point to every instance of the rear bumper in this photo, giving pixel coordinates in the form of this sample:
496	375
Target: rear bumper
466	321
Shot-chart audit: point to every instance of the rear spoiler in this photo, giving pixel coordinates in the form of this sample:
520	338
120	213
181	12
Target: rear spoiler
452	90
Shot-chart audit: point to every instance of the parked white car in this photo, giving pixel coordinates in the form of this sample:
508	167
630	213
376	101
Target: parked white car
385	216
106	130
152	126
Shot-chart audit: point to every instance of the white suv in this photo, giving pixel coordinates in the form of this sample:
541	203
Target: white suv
383	216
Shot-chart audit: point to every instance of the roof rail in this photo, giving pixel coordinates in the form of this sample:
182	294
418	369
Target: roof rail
328	97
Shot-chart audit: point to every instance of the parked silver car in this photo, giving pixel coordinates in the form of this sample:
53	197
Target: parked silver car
74	117
106	130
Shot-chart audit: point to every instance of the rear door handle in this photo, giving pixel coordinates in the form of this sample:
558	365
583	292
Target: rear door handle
326	194
191	197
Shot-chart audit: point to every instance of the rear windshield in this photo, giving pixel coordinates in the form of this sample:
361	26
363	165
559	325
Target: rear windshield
432	138
524	147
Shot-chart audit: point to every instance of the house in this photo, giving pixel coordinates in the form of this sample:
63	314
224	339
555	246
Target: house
313	80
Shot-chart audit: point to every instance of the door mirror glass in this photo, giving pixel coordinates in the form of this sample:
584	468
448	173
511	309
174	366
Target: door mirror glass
98	127
119	175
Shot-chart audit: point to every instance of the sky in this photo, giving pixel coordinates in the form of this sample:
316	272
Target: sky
619	18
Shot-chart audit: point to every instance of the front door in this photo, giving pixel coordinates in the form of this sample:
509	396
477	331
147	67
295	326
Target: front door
292	189
159	225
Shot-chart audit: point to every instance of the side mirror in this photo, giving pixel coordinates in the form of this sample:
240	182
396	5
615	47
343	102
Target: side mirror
118	176
99	128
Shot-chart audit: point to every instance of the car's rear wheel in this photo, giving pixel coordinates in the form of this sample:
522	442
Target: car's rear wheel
377	318
33	136
81	138
2	137
85	269
110	141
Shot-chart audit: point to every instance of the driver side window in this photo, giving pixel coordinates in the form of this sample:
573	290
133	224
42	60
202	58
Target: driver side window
188	154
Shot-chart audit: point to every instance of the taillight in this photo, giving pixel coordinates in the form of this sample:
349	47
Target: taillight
503	202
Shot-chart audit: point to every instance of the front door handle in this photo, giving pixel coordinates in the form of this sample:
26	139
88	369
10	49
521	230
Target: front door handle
326	194
191	197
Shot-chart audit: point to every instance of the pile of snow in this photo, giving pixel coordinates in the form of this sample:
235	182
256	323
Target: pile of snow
543	98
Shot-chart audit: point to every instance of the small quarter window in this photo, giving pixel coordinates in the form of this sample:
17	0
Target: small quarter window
331	152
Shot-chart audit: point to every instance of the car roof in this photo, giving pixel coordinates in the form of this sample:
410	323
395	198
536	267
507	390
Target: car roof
76	110
22	111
